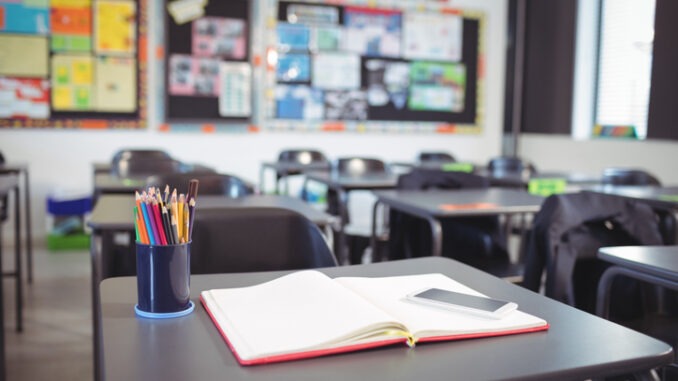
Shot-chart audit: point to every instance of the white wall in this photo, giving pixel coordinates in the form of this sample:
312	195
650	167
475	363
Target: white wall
592	156
63	158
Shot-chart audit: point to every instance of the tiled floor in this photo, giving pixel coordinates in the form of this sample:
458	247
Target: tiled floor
56	343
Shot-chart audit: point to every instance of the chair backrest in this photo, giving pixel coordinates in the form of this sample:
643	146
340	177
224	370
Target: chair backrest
142	168
628	176
356	166
208	183
256	239
301	156
134	154
509	165
566	235
436	157
423	179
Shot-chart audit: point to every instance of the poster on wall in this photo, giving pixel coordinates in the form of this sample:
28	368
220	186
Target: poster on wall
383	64
73	63
207	73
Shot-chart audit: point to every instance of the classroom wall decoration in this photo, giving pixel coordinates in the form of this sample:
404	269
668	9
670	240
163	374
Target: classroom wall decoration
73	63
207	81
375	66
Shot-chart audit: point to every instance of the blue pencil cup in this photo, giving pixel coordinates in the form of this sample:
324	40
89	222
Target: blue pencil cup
163	280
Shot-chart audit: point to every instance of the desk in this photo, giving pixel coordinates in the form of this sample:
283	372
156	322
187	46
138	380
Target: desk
9	184
285	169
113	213
577	345
460	202
653	264
22	170
655	196
343	185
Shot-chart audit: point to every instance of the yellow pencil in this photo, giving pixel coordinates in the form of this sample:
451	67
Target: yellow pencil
180	215
185	222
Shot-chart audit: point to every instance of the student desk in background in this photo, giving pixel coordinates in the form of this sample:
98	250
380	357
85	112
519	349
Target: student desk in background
342	185
112	215
434	205
653	264
285	169
577	345
22	170
655	196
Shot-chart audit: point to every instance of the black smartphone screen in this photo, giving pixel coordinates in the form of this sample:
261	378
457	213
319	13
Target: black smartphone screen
455	298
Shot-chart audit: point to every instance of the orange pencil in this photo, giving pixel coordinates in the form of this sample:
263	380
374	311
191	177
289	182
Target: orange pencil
141	226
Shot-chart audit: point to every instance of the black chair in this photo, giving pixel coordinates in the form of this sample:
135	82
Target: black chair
509	172
628	176
256	239
477	241
298	156
357	230
139	154
435	157
564	240
209	183
142	168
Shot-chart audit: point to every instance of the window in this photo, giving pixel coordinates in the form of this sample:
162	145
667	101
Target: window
624	63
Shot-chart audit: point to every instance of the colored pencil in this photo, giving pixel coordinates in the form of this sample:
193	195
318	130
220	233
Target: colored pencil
158	223
149	226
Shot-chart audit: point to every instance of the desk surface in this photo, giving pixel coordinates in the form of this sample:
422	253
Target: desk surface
466	202
660	261
347	183
108	183
13	168
655	195
284	167
577	345
114	211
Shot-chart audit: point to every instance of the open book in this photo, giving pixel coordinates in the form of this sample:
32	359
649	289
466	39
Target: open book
308	314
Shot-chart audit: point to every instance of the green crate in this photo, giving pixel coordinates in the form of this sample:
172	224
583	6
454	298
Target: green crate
57	242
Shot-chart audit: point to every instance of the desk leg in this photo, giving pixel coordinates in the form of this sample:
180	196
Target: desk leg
344	255
3	372
17	257
376	256
95	254
262	190
437	237
29	235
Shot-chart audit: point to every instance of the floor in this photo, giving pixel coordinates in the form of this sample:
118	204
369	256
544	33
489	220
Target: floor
56	342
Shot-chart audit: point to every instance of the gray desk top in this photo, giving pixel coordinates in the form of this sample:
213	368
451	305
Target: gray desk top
113	212
108	183
661	196
284	167
466	202
576	346
660	261
365	182
13	167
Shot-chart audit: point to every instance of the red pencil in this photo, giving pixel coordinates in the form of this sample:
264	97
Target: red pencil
158	223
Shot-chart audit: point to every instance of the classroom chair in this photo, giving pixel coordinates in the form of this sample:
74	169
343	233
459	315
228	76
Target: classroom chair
256	239
208	183
435	157
476	241
564	240
508	166
139	154
142	168
298	156
628	176
358	221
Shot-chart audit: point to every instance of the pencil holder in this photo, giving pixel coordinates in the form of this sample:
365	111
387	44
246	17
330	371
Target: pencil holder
163	280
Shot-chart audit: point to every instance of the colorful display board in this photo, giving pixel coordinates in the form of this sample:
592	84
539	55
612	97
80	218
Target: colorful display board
73	63
207	79
396	66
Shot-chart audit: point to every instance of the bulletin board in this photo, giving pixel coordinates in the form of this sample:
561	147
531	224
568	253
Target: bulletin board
73	63
386	66
208	77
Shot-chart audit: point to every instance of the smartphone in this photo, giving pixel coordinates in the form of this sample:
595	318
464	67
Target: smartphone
477	305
